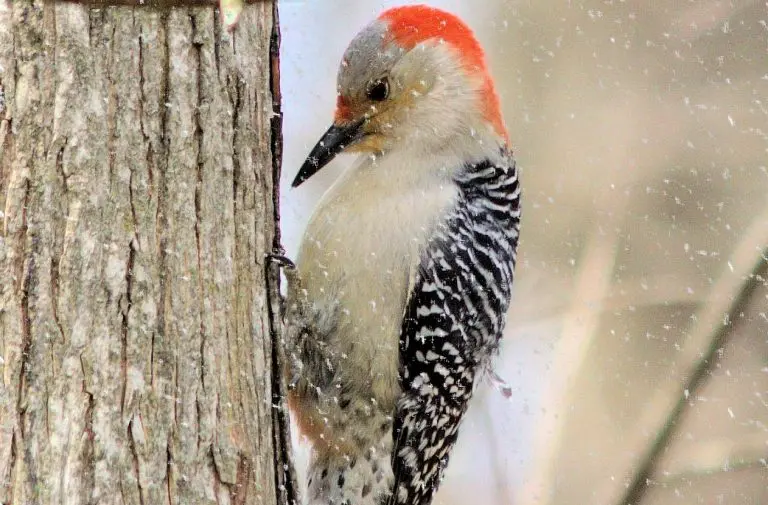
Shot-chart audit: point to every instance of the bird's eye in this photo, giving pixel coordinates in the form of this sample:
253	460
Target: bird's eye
378	90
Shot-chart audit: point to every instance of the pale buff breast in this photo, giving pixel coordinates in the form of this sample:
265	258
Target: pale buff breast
359	255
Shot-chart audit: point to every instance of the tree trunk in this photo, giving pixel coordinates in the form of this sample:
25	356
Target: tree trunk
139	154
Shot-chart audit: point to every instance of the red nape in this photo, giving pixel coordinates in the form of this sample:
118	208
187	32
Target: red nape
411	25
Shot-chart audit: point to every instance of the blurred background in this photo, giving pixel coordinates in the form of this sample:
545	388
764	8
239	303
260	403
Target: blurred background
637	342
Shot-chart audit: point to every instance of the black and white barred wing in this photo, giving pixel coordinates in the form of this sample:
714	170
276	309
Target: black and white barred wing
452	325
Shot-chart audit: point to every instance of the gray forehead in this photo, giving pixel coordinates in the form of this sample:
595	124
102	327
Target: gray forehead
367	57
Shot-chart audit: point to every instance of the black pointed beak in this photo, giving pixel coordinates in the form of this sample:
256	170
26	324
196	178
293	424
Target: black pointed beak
335	140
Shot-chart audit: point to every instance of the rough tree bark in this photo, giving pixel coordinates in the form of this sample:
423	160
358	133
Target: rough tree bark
139	157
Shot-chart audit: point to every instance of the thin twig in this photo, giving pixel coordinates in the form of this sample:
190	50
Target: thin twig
729	296
709	457
689	475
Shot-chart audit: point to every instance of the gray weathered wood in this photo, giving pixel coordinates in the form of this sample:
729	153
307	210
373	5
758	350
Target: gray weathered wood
136	191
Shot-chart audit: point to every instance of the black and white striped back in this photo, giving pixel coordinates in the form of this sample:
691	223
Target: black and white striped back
453	321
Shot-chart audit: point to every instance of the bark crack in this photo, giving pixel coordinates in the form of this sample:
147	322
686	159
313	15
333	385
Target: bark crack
48	413
56	255
236	100
152	360
24	274
133	244
217	47
176	390
160	163
134	219
6	137
124	323
166	77
142	94
2	97
217	482
163	162
135	455
88	429
199	162
168	470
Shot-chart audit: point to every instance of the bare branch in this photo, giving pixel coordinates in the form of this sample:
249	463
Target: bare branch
730	295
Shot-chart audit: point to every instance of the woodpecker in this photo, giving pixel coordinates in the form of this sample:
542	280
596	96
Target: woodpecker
402	282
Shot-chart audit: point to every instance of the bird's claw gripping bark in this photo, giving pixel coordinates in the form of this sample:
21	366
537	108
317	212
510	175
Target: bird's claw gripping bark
281	260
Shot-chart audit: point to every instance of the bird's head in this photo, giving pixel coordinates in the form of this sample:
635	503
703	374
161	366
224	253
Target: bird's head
416	76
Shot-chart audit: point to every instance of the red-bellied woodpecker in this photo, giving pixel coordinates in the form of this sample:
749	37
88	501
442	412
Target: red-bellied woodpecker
404	273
